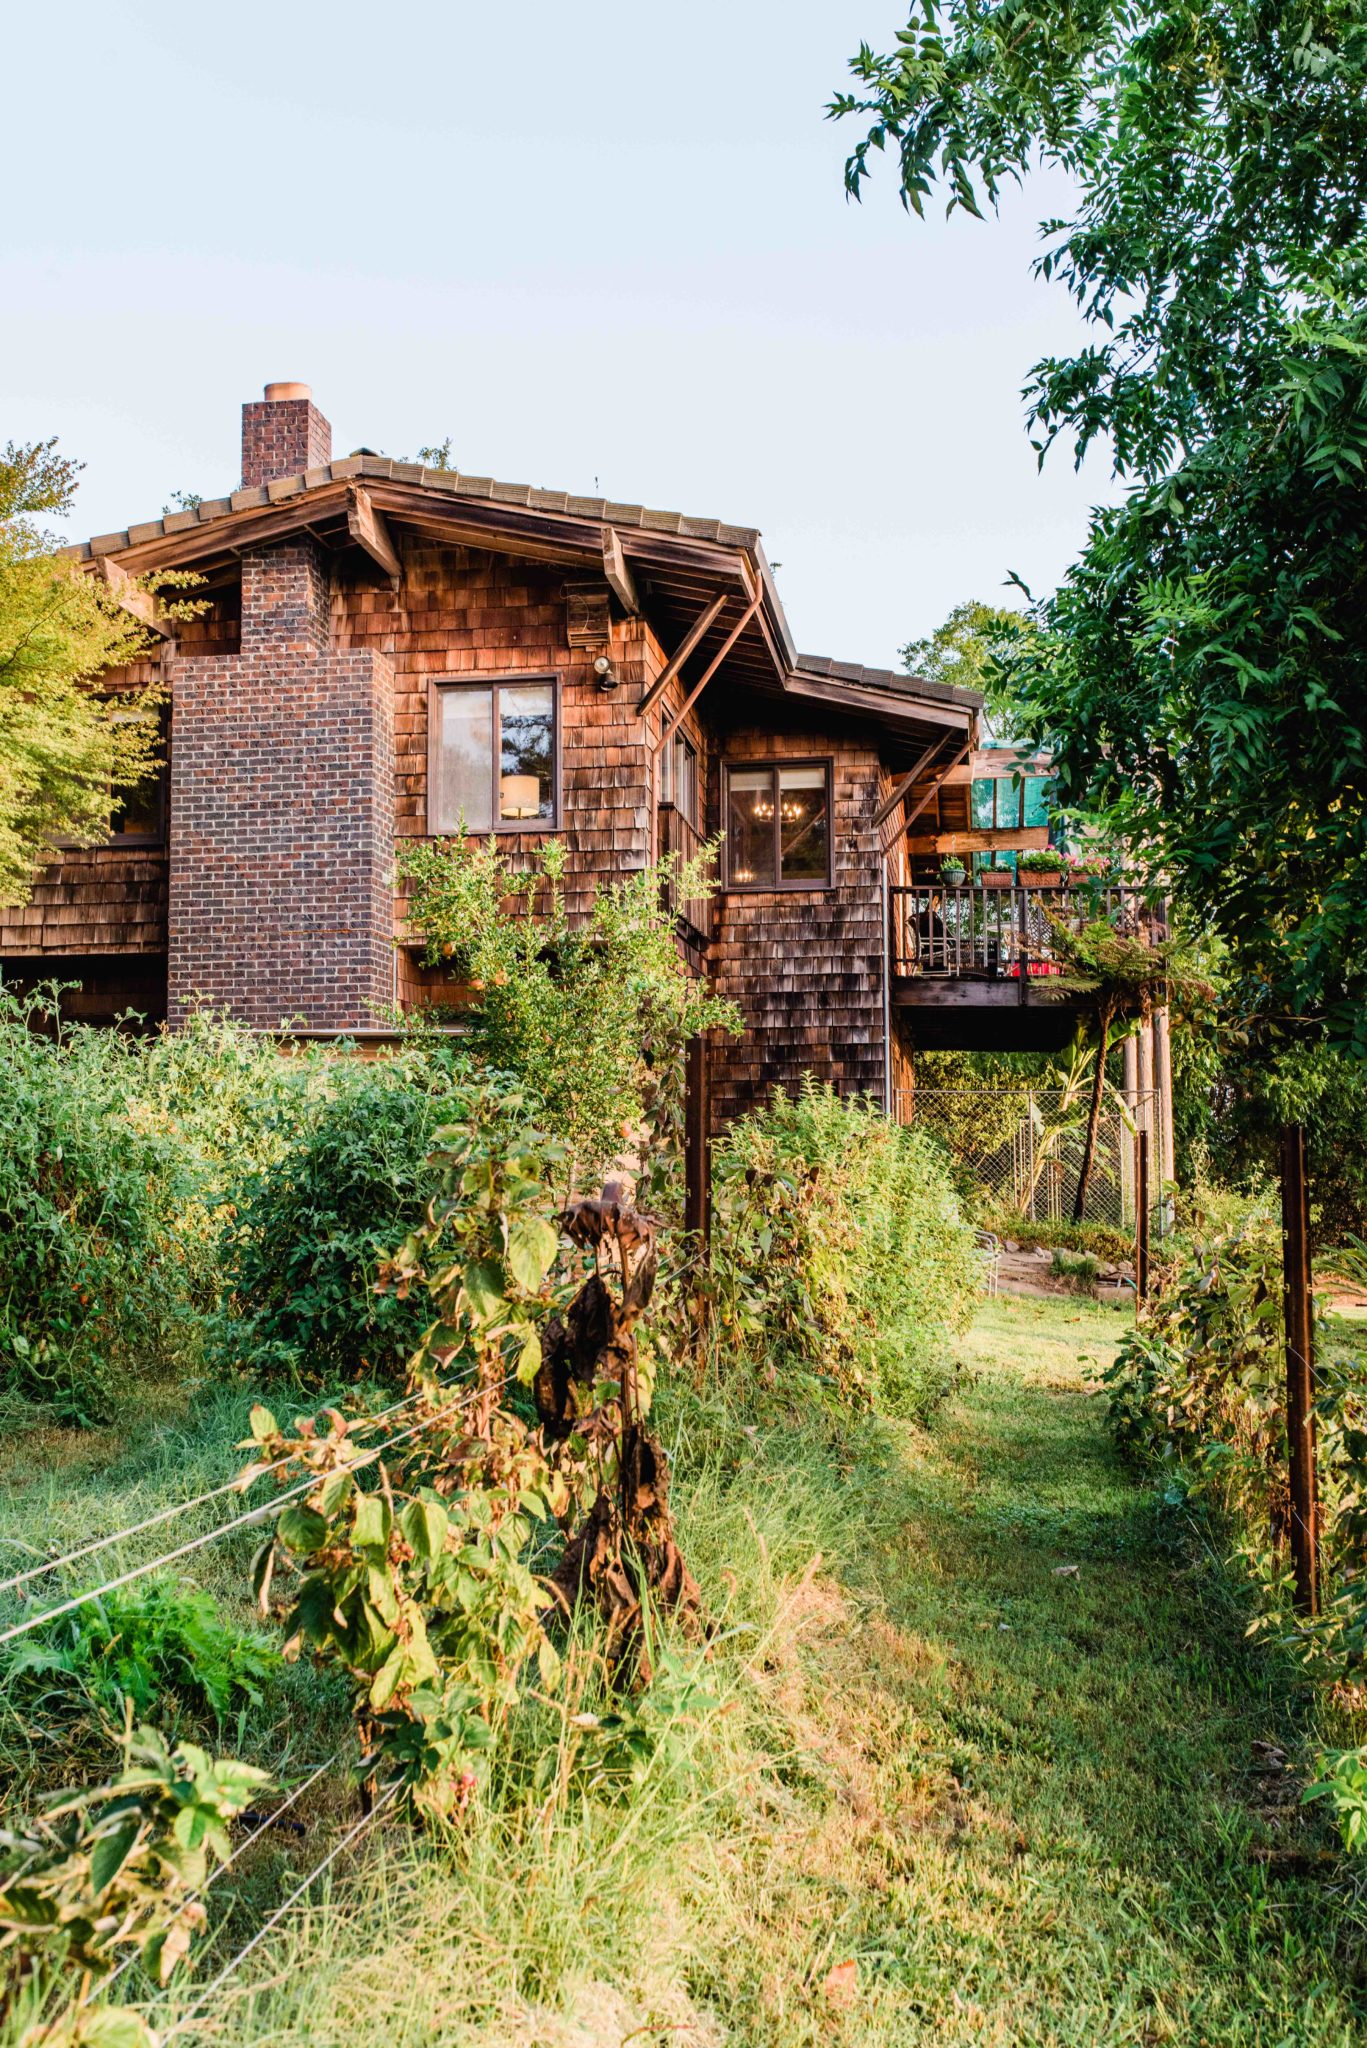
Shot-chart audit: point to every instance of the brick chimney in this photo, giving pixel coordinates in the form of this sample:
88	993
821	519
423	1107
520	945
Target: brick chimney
283	434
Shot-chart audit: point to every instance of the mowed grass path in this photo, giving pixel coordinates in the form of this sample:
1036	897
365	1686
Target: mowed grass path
1122	1856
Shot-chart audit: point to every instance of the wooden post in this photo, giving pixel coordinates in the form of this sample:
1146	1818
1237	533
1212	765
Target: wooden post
1167	1138
697	1145
1141	1216
1300	1368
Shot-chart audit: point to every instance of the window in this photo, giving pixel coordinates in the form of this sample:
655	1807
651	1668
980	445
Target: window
679	778
138	812
778	833
492	757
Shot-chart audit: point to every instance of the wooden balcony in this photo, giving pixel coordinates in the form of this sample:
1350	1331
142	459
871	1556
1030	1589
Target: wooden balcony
694	913
972	964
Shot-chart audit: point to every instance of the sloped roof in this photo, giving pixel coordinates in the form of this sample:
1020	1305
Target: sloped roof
449	482
683	562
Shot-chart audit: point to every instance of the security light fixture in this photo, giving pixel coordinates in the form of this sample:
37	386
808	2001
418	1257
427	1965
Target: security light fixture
605	672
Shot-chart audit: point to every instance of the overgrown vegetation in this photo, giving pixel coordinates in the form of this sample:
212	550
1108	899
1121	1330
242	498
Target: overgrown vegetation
66	759
1198	1393
841	1260
593	1015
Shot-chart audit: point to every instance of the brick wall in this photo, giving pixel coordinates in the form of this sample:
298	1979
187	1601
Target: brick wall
805	965
282	812
282	437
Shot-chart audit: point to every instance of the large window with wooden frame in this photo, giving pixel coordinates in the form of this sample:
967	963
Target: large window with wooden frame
493	758
778	824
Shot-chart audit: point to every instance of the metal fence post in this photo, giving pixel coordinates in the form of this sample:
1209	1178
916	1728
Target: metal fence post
1299	1311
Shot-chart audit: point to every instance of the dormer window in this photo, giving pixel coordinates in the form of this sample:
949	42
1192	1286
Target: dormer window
493	756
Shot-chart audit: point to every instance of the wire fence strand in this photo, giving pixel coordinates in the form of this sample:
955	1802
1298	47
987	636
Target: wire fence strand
327	1764
180	1507
254	1516
273	1920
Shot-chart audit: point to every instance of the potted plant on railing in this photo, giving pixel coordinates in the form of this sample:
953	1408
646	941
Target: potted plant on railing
1041	868
995	878
1091	868
953	871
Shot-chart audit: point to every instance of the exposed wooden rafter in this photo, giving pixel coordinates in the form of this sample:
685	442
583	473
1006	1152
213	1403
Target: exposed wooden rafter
706	618
895	796
618	573
668	731
923	799
369	530
138	603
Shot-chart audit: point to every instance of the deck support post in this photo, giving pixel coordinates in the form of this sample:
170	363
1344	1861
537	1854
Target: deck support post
1299	1312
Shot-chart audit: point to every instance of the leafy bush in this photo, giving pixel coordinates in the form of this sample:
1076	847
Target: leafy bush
121	1867
95	1278
592	1016
158	1194
1199	1390
311	1229
1079	1269
1102	1240
840	1258
153	1646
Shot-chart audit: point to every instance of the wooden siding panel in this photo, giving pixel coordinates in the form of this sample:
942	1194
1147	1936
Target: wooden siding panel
805	966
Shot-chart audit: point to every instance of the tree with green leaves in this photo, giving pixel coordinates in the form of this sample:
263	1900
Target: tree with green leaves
975	649
1201	675
65	751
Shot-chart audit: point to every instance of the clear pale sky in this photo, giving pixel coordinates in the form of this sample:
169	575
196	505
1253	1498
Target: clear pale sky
602	245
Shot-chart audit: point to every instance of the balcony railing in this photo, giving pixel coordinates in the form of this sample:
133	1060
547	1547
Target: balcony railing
678	836
992	933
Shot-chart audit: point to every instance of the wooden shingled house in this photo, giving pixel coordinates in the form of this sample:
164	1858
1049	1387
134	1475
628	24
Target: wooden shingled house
388	649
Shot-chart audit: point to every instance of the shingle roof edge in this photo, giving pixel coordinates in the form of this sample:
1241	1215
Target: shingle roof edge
896	681
532	498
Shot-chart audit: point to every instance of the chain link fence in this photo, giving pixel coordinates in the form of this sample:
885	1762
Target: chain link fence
1023	1147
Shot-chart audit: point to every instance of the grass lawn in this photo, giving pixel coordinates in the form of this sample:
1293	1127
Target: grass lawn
978	1755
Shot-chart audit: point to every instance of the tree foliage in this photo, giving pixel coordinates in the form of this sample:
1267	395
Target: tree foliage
1200	674
974	649
65	751
591	1013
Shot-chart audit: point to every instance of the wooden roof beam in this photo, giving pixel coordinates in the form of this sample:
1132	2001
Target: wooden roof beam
620	579
894	797
130	597
706	619
989	839
370	531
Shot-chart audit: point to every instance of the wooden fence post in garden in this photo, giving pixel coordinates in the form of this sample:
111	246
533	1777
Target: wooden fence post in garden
697	1145
1299	1312
1141	1215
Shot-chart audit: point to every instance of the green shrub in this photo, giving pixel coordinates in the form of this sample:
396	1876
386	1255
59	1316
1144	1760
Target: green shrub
1198	1390
95	1281
1102	1240
302	1253
592	1014
156	1646
1079	1269
840	1258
